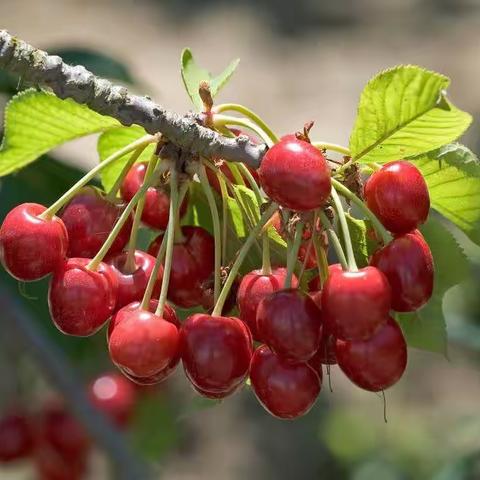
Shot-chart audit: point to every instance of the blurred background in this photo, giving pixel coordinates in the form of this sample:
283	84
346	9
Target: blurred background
300	61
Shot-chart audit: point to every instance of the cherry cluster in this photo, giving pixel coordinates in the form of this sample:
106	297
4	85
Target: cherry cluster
53	439
344	316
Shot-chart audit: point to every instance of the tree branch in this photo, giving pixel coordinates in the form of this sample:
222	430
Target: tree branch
76	82
56	367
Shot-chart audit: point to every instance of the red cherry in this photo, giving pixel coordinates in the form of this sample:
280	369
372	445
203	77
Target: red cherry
408	265
216	353
285	390
52	465
61	431
30	247
81	300
290	323
16	437
356	304
192	264
253	288
326	351
157	198
115	396
89	218
314	283
295	174
376	363
132	285
142	343
398	195
207	301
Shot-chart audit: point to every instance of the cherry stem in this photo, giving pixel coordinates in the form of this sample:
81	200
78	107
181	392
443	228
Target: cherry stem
98	258
152	280
241	258
167	268
236	174
249	114
293	253
352	265
118	182
248	216
345	192
332	146
266	265
247	174
69	194
305	259
223	190
332	236
322	261
224	120
216	230
130	265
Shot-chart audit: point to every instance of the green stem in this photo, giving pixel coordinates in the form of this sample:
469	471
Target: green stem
118	182
266	265
352	266
332	146
305	259
220	120
223	190
216	230
293	254
154	275
241	257
345	192
130	265
249	114
332	236
237	176
98	258
322	261
253	184
69	194
170	241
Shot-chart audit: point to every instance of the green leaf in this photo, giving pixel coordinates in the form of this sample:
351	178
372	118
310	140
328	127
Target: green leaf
193	75
452	174
426	329
363	245
404	112
36	122
97	62
112	141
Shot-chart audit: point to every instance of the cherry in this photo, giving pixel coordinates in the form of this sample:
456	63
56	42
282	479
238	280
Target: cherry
253	288
192	264
115	396
398	195
290	323
408	265
81	300
216	353
207	301
58	429
16	437
142	343
314	283
325	354
89	218
285	390
132	285
376	363
356	304
30	247
52	465
157	198
295	174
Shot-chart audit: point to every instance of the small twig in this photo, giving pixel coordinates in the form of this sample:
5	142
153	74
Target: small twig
76	82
